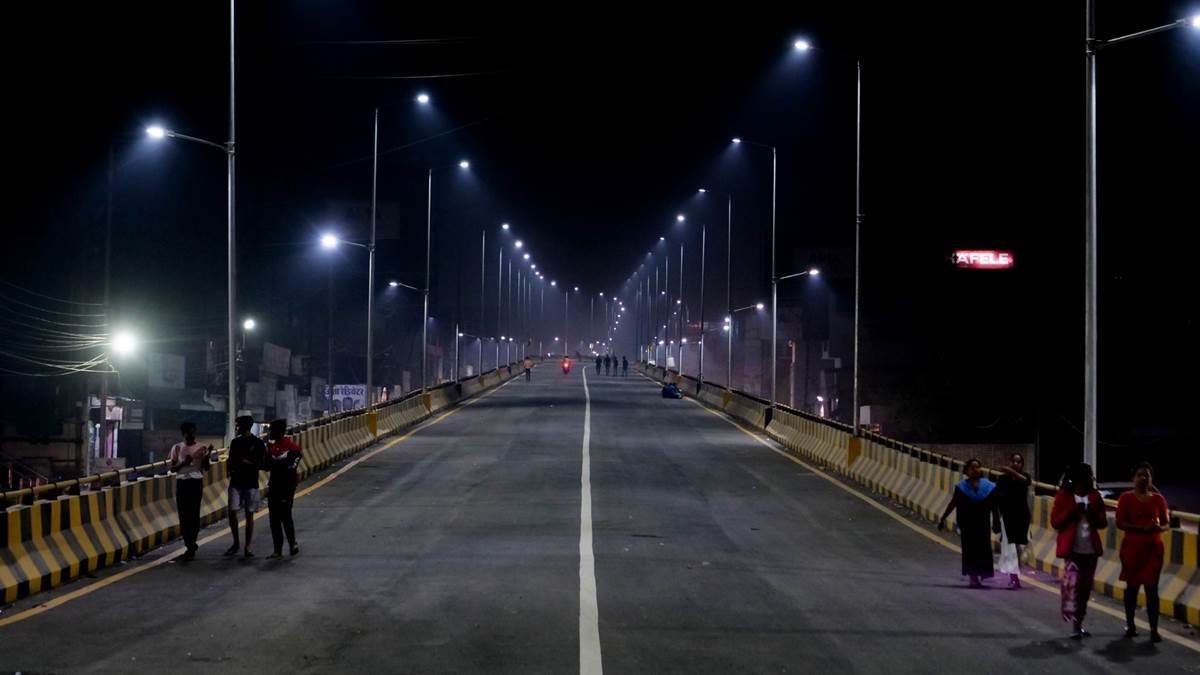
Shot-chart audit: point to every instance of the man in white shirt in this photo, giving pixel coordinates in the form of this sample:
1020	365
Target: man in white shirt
189	460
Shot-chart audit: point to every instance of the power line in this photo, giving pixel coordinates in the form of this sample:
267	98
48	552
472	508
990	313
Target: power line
48	297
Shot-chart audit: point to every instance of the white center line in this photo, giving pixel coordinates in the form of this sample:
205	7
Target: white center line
589	611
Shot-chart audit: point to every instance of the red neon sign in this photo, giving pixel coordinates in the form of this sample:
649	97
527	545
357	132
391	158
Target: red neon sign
984	260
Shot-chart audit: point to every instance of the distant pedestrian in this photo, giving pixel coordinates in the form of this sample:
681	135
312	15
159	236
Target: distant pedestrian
283	462
527	363
599	364
1078	515
975	503
1012	498
607	364
247	453
624	367
1143	516
189	460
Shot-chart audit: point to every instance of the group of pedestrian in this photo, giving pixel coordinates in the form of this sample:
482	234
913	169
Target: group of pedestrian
610	365
249	455
1078	515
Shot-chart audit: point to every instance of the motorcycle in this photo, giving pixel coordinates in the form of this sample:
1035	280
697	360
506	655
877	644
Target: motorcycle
566	366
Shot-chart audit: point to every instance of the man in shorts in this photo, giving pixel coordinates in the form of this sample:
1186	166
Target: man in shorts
247	457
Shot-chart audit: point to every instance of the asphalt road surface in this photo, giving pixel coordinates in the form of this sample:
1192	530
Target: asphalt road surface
467	546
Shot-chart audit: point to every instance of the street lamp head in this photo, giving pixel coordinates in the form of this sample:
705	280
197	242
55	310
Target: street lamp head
248	324
423	98
736	140
124	343
758	306
504	226
464	164
526	257
553	283
661	342
679	218
519	243
460	335
502	338
328	241
702	190
801	45
684	341
156	132
576	289
662	238
814	271
393	284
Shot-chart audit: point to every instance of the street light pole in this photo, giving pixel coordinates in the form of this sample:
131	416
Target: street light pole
729	289
679	312
428	246
371	267
1090	246
230	152
858	219
703	250
483	296
774	283
499	301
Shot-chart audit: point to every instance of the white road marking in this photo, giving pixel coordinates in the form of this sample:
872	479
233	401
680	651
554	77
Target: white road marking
589	611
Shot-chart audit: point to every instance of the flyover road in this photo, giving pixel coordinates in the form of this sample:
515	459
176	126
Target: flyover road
557	526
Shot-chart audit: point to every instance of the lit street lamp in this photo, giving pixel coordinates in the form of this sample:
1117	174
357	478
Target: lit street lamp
464	165
1091	249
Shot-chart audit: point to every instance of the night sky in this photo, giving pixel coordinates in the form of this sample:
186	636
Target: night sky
589	131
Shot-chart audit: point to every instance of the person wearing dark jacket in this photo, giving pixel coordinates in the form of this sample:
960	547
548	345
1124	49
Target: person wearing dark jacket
1012	499
974	499
1078	514
283	463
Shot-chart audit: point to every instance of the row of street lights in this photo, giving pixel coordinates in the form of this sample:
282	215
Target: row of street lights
1093	45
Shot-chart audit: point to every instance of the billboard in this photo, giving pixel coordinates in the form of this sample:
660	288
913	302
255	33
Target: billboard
983	259
276	360
165	371
348	397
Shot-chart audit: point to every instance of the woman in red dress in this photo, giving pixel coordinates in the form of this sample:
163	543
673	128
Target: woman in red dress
1142	514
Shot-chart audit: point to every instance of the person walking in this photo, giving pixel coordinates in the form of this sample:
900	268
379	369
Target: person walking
283	462
527	363
1143	516
599	363
975	502
189	460
607	364
1012	499
247	453
624	367
1078	515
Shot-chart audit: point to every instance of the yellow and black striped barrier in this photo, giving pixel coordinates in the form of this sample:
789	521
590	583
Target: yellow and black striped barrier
53	541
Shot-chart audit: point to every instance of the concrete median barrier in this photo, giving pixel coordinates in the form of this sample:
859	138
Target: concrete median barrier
54	541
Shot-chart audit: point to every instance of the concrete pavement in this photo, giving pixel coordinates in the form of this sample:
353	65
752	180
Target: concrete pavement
458	549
